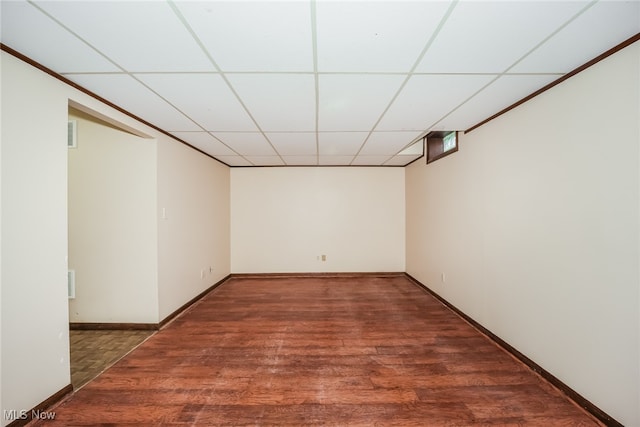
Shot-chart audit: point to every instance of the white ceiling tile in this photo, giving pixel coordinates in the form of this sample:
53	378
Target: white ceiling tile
32	33
205	142
416	149
205	97
387	143
365	50
129	94
425	99
354	102
340	143
234	160
294	143
246	143
400	160
370	160
137	35
489	36
335	160
598	29
294	95
374	36
500	94
300	160
266	160
252	35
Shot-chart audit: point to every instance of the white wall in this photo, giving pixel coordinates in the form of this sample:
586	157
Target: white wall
193	191
282	219
638	262
1	259
147	217
112	225
535	222
35	340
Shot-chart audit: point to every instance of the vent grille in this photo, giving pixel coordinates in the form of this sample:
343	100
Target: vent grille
71	284
72	134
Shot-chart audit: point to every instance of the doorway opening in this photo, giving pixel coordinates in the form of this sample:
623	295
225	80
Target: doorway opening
102	211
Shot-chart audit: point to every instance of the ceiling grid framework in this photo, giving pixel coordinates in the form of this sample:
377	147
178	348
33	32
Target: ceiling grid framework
321	82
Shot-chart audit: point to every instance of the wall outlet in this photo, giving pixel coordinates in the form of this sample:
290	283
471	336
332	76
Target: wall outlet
324	257
443	277
202	273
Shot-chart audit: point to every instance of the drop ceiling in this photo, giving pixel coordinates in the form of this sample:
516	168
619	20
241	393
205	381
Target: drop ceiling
263	83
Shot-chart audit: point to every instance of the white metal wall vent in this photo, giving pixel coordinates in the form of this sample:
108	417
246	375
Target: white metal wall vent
71	284
72	134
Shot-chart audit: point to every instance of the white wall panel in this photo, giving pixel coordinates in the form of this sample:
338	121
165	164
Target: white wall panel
193	224
534	221
282	219
112	225
35	337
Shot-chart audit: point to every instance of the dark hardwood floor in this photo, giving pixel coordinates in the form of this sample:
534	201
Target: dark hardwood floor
319	351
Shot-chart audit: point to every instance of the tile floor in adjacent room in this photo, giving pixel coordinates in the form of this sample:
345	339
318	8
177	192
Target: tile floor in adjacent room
94	351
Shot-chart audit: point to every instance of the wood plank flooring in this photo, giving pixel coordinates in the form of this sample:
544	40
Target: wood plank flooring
319	351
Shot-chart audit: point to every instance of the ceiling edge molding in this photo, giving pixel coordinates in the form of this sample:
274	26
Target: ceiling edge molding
556	82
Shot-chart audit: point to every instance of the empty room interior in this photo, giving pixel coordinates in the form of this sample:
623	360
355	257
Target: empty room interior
322	212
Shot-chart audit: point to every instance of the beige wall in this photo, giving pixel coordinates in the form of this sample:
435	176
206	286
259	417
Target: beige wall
147	217
535	223
112	225
1	244
35	309
193	192
35	340
282	219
